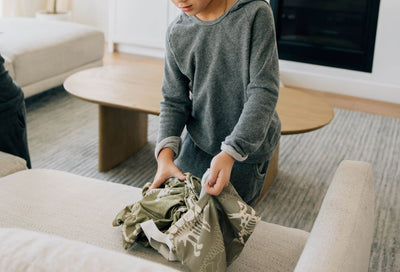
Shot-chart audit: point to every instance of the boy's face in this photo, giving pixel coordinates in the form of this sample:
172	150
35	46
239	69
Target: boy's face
195	7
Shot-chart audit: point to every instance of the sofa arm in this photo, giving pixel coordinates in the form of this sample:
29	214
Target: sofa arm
10	164
341	237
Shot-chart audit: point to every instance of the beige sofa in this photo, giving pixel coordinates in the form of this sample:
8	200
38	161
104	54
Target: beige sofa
56	221
41	54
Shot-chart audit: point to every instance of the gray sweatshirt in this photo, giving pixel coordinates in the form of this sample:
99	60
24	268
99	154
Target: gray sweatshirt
221	80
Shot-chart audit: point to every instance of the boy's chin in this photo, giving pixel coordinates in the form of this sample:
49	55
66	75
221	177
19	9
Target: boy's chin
190	13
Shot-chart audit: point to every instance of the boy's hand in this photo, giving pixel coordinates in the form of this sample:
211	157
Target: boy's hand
166	168
220	173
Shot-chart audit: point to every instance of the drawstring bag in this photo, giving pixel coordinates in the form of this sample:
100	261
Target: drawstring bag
208	236
164	205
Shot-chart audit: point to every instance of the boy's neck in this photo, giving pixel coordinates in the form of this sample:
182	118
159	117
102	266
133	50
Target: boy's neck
215	10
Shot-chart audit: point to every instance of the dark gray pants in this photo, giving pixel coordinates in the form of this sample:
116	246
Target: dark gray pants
247	178
13	136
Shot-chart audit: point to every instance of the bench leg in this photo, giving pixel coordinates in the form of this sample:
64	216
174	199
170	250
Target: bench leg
121	133
272	172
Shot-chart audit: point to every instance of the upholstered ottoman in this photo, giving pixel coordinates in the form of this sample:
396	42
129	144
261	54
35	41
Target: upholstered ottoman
41	54
56	221
10	164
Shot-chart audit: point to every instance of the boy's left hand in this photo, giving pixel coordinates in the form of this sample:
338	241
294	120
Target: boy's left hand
220	173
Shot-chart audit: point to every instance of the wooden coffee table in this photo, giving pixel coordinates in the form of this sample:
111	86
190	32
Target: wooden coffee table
127	94
299	113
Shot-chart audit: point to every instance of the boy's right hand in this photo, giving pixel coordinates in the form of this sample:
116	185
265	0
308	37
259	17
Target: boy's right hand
166	168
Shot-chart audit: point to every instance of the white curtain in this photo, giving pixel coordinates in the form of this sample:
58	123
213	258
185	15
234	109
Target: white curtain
28	8
25	8
61	5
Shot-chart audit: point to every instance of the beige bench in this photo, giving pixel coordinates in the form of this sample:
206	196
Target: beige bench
40	55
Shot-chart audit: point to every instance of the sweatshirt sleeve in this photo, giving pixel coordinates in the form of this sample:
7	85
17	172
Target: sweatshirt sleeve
175	106
11	95
262	91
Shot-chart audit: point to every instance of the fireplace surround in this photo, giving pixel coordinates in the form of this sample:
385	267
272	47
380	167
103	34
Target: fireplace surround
334	33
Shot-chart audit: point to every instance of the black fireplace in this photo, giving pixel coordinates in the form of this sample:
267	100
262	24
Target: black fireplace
335	33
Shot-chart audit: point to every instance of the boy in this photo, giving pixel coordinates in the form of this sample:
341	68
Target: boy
221	80
13	138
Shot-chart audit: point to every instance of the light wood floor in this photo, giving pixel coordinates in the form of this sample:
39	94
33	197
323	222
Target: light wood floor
336	100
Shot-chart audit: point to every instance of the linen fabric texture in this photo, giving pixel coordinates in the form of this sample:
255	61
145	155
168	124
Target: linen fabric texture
24	250
41	54
203	232
11	164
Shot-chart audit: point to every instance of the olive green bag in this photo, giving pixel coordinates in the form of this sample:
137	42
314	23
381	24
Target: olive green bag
207	234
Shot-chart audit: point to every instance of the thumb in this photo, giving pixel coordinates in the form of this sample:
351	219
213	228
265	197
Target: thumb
156	182
212	178
181	176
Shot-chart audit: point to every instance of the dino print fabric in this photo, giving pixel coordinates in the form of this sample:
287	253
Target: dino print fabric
204	233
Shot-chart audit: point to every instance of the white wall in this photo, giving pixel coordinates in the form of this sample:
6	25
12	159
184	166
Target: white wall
91	12
382	84
384	81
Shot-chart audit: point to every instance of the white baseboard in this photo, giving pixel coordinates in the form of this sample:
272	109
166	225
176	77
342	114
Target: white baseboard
347	86
139	50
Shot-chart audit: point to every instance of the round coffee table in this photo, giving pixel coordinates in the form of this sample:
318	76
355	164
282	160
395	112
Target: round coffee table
127	94
299	113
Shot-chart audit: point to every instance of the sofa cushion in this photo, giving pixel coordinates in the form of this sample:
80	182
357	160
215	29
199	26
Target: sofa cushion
271	248
10	164
71	206
36	50
22	250
82	209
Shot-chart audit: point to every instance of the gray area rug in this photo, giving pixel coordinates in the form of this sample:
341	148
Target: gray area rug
63	135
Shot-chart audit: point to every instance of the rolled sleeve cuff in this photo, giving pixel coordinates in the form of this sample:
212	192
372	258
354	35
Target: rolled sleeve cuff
173	142
232	152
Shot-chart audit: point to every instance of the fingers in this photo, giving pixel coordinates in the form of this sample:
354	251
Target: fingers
220	171
161	177
181	176
217	181
217	188
157	182
212	177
